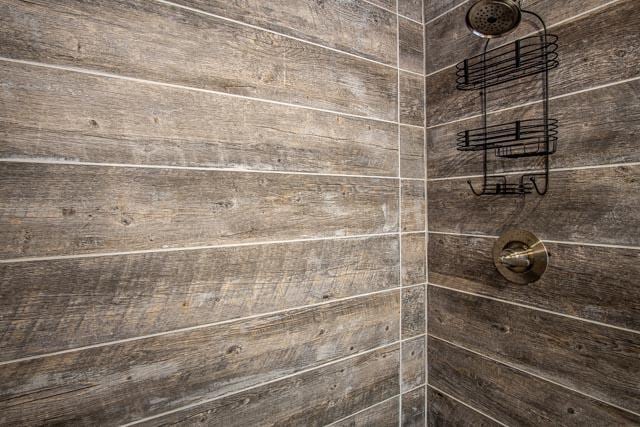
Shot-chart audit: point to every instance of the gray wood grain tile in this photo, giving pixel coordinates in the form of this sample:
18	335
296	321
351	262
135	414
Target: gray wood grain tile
443	411
596	360
411	46
61	115
588	206
123	382
384	415
511	396
354	26
411	99
595	283
412	161
413	312
313	398
413	363
88	209
412	207
155	41
413	259
53	305
413	410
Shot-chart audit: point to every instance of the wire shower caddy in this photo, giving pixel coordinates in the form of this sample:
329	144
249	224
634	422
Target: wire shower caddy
512	62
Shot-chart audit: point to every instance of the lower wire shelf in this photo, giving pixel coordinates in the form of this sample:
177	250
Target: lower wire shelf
521	138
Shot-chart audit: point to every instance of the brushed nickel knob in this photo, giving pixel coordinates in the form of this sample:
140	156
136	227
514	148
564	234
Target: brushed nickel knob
520	256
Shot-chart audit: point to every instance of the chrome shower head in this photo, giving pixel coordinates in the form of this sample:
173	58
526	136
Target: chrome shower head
493	18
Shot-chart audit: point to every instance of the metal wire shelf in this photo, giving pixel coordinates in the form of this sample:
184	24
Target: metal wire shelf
525	57
522	138
499	186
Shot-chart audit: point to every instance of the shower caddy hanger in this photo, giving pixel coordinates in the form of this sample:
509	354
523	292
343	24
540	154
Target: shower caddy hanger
525	57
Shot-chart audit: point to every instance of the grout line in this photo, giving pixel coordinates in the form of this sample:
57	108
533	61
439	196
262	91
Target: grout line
529	307
300	372
527	104
414	232
400	280
465	404
516	368
567	169
195	248
558	242
190	88
564	21
193	168
202	326
446	12
487	236
426	214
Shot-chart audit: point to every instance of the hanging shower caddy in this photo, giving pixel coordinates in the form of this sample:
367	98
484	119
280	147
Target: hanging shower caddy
510	63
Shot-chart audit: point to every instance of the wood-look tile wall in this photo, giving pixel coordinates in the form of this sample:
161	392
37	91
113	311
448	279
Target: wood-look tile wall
212	212
566	349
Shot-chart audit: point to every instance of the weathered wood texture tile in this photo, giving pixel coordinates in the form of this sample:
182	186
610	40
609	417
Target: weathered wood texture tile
152	40
514	397
122	382
598	48
601	126
413	410
435	8
413	206
411	152
413	363
66	209
384	414
354	26
414	259
449	40
596	360
411	46
592	205
411	99
595	283
413	311
62	115
411	9
443	411
313	398
53	305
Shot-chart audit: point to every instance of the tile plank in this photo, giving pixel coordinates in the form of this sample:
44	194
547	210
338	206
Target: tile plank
53	305
385	414
596	360
595	283
355	26
413	410
511	396
443	411
71	209
155	41
60	115
590	205
119	383
313	398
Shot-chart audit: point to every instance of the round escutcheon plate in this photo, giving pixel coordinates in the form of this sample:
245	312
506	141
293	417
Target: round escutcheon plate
520	256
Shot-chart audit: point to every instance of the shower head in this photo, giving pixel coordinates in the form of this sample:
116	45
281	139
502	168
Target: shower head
493	18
